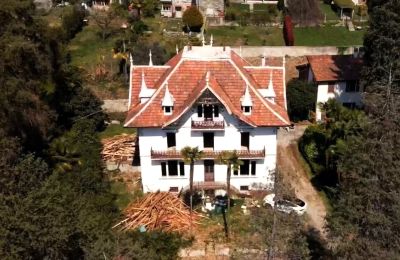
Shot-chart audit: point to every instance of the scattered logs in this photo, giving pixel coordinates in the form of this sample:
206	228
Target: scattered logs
120	148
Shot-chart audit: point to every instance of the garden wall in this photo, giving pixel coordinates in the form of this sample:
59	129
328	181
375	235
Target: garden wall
293	51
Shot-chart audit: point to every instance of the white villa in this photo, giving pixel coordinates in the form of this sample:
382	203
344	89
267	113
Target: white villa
211	98
337	77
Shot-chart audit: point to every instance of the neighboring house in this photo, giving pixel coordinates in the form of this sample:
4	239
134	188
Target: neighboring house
174	8
209	8
336	76
206	97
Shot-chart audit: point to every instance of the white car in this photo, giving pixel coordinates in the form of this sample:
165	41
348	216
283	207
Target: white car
298	206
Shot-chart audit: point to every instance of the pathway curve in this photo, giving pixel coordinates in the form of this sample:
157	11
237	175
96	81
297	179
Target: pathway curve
291	166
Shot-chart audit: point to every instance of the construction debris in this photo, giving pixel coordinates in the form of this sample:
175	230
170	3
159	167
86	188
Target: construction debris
159	211
120	148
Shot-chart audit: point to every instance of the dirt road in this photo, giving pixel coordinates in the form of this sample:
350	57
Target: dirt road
292	169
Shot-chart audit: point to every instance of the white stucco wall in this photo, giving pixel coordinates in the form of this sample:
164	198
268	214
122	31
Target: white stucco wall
339	94
229	139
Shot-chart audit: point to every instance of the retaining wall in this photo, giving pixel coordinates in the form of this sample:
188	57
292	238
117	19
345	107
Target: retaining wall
293	51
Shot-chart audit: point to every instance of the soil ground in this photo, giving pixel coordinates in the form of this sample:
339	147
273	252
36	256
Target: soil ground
292	168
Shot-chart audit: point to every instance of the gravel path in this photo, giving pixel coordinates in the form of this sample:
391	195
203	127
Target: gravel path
292	169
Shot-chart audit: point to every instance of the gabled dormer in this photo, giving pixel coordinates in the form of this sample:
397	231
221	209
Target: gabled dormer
246	102
269	92
168	101
145	92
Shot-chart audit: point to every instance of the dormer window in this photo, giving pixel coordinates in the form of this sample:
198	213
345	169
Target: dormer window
247	103
168	110
246	110
168	101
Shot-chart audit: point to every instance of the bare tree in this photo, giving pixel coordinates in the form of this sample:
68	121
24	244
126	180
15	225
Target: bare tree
103	19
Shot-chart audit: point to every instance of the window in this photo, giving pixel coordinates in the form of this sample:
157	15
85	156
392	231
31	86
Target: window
166	7
173	189
331	87
246	109
178	8
216	111
163	169
244	168
199	111
235	172
172	168
245	139
181	168
171	140
352	86
208	140
244	188
208	112
168	110
253	167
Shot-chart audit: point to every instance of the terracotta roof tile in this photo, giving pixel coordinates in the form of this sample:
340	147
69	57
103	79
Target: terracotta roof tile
186	81
335	67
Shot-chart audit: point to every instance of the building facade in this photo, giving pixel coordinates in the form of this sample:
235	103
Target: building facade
207	97
336	77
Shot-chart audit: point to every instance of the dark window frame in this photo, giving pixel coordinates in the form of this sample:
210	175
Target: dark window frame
253	165
207	140
352	86
181	169
171	139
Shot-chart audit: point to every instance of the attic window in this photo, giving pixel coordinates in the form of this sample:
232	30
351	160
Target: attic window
246	109
168	110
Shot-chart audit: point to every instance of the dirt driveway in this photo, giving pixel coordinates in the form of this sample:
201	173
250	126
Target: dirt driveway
292	169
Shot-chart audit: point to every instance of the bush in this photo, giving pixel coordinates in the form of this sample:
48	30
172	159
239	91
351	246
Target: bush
193	19
301	98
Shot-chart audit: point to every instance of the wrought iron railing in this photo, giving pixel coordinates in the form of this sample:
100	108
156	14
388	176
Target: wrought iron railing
201	125
207	154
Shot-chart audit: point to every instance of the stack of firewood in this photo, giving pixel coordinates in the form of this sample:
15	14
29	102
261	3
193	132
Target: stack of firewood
120	148
159	211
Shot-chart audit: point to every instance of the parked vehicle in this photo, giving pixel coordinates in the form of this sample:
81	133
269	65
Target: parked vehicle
298	206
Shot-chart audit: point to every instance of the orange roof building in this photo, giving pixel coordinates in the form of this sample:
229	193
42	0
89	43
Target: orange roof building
207	97
336	77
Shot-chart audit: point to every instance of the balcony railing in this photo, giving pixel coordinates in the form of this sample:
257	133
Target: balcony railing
207	154
205	124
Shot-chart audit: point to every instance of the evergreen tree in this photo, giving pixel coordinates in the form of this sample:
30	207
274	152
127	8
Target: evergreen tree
364	221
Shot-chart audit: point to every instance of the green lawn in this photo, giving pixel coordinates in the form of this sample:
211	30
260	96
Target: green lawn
246	35
113	130
327	36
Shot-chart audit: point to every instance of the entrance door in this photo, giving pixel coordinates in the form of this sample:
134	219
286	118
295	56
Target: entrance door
208	170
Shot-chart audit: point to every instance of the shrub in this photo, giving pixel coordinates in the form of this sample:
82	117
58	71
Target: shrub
301	97
193	19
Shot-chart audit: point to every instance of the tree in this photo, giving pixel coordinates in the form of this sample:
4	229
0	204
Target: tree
301	99
72	20
288	34
364	220
232	162
305	12
193	19
103	19
140	53
191	155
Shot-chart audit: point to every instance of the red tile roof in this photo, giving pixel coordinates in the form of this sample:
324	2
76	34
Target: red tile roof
335	67
186	82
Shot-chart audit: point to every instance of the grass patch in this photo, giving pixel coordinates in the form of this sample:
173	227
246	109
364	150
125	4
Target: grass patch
113	130
246	35
327	36
239	7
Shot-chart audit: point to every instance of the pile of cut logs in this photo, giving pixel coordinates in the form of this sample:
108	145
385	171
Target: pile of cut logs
159	211
120	148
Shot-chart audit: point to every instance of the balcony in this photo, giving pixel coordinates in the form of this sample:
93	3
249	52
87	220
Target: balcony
207	154
207	125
